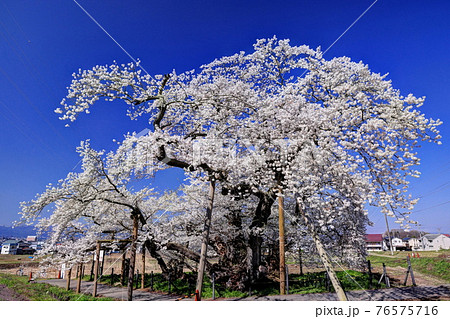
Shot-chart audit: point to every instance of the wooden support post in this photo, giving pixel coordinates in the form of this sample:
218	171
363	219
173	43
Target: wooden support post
151	280
369	267
409	271
132	257
169	283
92	268
287	281
143	268
78	271
137	278
122	276
323	256
103	254
329	283
112	276
412	273
213	278
97	262
80	267
385	277
205	239
282	244
68	274
300	261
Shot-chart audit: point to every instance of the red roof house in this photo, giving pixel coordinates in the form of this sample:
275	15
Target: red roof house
375	242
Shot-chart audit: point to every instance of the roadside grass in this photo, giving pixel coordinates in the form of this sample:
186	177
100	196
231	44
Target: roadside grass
42	291
435	264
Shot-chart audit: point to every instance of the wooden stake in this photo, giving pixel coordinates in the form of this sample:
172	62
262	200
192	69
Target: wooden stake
69	274
92	268
112	276
80	267
151	280
122	276
143	268
282	245
300	262
213	286
385	277
97	262
103	262
205	240
409	271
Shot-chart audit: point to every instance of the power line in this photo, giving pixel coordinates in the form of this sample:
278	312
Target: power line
111	37
346	30
354	22
424	209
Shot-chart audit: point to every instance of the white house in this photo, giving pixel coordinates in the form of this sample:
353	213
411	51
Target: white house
414	243
398	244
435	242
10	247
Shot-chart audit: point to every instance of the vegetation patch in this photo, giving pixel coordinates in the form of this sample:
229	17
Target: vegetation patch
42	291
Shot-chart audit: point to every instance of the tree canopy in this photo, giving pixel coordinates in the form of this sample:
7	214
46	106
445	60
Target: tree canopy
329	135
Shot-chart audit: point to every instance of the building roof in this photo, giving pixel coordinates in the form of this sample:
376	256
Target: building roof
10	241
374	237
431	236
31	238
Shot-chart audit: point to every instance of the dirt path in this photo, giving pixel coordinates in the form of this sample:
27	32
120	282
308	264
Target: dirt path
397	277
423	293
118	293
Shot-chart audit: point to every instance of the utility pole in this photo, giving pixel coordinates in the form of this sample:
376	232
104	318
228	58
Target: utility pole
389	234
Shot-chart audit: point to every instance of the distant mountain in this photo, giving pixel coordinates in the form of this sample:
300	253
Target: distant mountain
19	232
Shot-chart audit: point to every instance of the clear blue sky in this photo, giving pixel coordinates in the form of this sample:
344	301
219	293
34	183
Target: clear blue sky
43	42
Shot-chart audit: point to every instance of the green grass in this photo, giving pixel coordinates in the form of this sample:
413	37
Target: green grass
430	263
42	291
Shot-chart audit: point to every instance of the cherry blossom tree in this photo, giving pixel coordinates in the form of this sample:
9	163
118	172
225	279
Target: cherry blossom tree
280	121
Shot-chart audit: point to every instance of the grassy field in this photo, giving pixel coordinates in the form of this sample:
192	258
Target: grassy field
17	259
432	263
42	291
